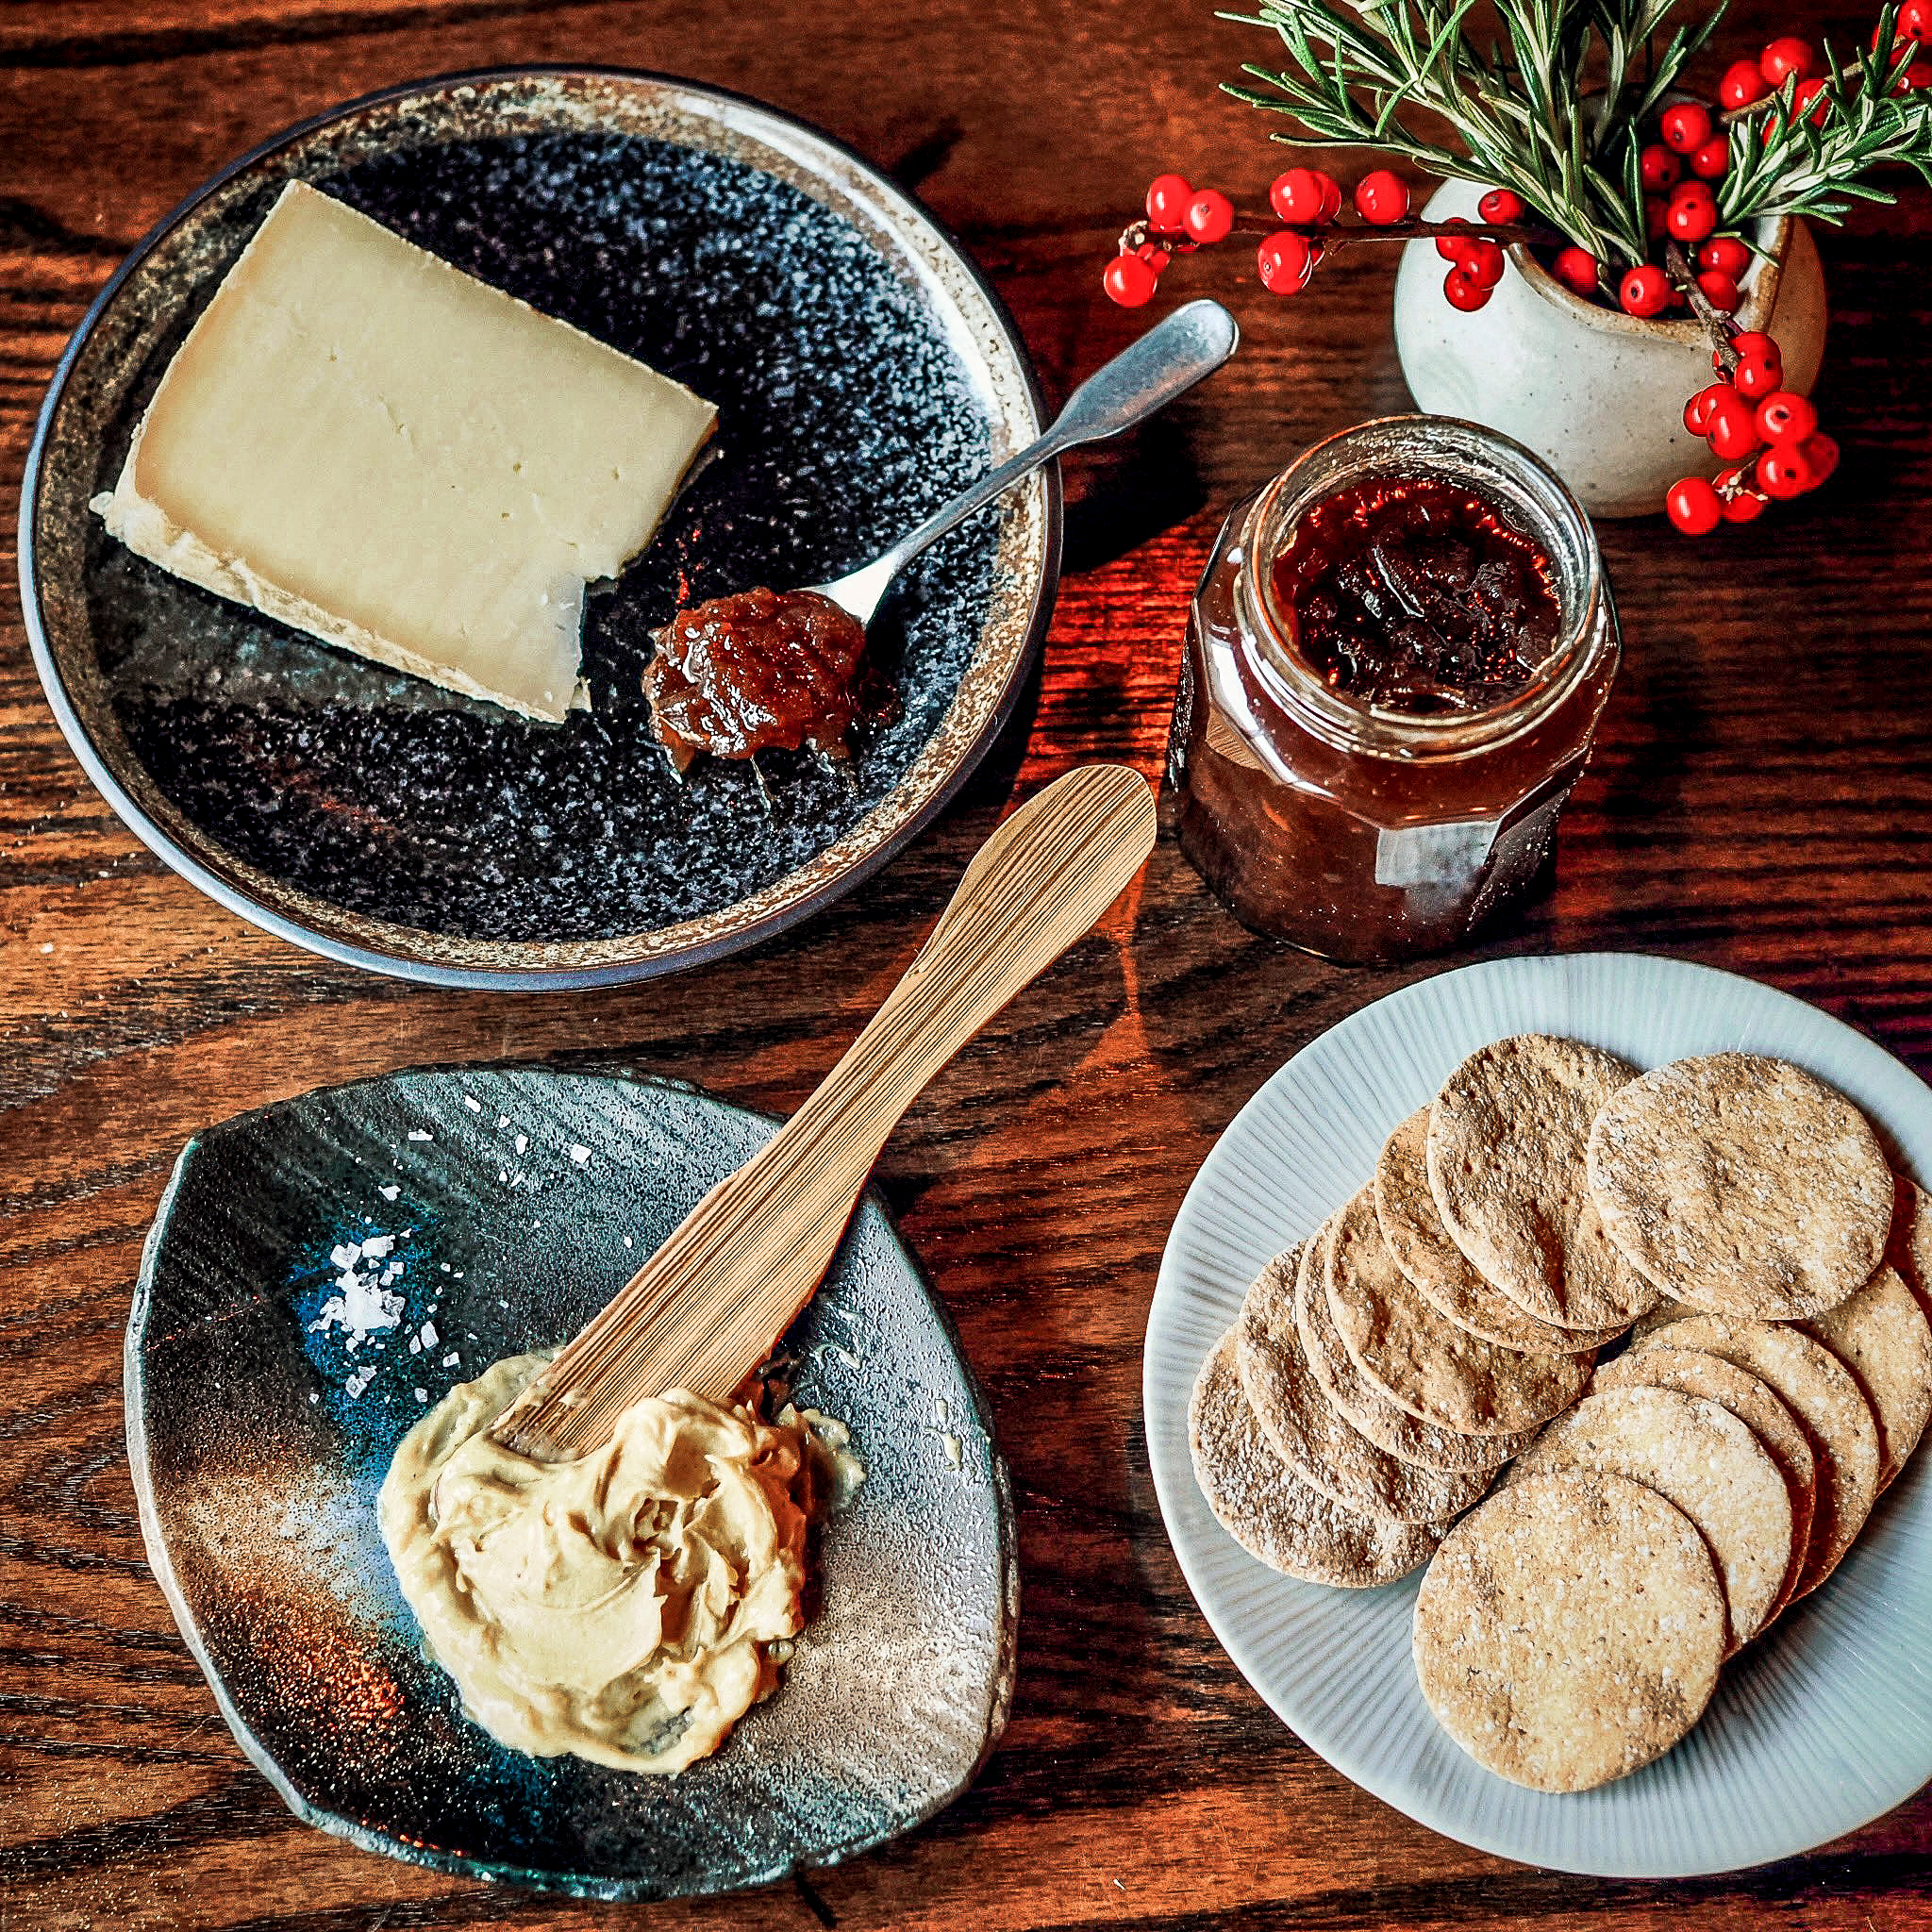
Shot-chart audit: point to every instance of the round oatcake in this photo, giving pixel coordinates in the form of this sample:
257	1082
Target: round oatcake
1569	1630
1909	1250
1311	1434
1420	1359
1742	1185
1360	1403
1661	1316
1882	1336
1701	1457
1506	1158
1440	1270
1272	1514
1818	1390
1691	1371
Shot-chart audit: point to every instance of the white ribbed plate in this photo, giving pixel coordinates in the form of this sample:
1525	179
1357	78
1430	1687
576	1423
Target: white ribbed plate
1818	1728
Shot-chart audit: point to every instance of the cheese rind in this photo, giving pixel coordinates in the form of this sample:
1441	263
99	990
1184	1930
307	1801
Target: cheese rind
362	440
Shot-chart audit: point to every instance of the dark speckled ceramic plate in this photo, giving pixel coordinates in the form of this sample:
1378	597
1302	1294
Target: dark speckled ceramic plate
863	372
258	1440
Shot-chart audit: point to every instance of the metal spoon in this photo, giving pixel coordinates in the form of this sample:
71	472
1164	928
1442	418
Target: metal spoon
1167	362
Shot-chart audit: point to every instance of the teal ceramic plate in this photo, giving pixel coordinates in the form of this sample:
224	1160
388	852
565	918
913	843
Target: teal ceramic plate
484	1212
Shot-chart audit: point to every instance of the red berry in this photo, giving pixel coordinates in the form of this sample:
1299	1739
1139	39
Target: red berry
1914	23
1911	79
1720	291
1643	291
1746	506
1301	197
1484	262
1454	247
1713	160
1742	86
1693	506
1784	471
1810	102
1821	452
1381	197
1731	430
1685	128
1754	341
1785	57
1499	208
1575	267
1725	254
1168	196
1210	217
1462	288
1286	260
1785	416
1698	411
1756	377
1692	212
1154	254
1658	168
1129	280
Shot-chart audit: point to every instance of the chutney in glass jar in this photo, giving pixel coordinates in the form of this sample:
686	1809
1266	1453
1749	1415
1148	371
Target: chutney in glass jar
1395	668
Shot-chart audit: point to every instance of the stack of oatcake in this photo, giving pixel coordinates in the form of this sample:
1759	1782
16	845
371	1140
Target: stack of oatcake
1659	1509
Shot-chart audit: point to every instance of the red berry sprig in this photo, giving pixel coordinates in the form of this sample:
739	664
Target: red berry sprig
1307	203
1769	437
1766	436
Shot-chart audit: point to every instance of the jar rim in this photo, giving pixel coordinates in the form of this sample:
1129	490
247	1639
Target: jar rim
1495	466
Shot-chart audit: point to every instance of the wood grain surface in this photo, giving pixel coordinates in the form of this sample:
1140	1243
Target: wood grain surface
1761	799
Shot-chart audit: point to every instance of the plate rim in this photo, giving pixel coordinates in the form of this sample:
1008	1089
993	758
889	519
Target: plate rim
366	1836
1172	1482
536	976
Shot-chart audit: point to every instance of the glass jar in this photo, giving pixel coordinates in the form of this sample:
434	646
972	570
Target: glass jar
1360	833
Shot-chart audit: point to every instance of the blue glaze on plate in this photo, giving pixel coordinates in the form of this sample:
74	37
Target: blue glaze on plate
258	1442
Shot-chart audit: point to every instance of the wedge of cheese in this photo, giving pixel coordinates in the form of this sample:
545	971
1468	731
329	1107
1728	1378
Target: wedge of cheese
366	444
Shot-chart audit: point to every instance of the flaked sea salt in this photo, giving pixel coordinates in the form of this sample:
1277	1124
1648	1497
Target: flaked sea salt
363	1304
421	1134
452	1359
522	1143
474	1105
358	1381
427	1335
390	1193
579	1153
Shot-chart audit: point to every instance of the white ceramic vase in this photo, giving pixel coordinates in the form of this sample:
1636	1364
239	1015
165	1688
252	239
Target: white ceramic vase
1598	394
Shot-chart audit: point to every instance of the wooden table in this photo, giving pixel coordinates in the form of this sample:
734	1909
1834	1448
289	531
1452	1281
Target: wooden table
1761	799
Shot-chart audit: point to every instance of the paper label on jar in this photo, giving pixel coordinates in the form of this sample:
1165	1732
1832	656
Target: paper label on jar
1448	854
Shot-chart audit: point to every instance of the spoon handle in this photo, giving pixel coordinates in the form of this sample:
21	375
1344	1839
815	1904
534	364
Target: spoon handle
704	1309
1146	376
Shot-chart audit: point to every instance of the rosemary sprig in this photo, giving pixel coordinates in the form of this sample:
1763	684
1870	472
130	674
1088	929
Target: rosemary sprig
1784	165
1390	73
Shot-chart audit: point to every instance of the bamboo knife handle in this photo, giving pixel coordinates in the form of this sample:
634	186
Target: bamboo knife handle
704	1309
